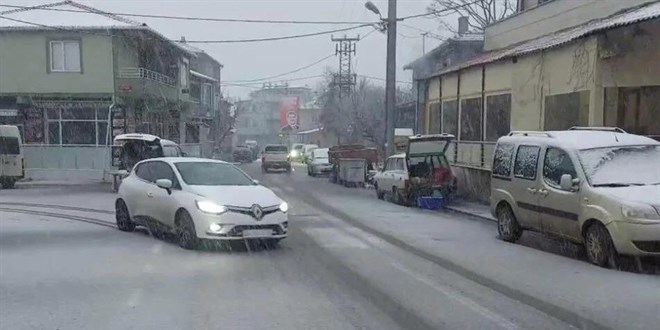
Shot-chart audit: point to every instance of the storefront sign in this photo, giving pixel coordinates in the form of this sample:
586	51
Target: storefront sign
8	112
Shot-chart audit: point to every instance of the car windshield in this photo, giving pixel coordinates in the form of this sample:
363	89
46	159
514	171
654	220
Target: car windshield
622	166
320	153
298	147
212	174
277	149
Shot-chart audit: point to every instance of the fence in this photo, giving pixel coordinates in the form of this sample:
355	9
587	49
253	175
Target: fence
61	162
130	72
477	154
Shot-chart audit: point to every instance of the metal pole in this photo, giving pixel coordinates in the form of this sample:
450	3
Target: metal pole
390	75
424	42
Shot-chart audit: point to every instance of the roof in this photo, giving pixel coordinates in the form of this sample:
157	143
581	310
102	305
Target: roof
581	140
623	18
402	155
203	76
444	45
136	136
182	43
185	160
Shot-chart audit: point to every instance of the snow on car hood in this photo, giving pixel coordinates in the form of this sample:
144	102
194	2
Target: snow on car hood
242	196
649	194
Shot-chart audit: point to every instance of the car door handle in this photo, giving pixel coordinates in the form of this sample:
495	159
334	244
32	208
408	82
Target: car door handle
150	194
543	192
532	190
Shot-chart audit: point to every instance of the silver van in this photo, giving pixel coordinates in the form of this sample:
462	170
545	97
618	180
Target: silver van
594	186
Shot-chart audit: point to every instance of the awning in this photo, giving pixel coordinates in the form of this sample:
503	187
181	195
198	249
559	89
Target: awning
203	76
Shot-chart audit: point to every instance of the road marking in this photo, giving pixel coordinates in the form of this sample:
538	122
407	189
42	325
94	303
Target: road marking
451	294
333	238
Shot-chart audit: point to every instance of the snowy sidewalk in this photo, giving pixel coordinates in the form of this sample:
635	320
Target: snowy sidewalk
471	208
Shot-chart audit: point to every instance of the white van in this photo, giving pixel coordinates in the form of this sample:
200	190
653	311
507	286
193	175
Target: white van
12	163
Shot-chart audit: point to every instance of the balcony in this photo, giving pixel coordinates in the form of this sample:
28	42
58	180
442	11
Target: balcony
136	81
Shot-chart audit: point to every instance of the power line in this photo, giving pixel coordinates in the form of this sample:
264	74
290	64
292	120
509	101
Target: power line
295	36
429	33
188	18
286	73
383	79
435	12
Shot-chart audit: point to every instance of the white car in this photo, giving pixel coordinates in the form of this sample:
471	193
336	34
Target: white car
197	199
307	151
318	162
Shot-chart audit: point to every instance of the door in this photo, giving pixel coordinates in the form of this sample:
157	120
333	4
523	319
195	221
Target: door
400	174
559	208
384	178
524	186
162	205
137	188
11	159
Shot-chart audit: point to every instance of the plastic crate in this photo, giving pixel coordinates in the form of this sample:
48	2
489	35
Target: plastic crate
430	203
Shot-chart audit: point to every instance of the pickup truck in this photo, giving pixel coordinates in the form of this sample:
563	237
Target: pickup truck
275	156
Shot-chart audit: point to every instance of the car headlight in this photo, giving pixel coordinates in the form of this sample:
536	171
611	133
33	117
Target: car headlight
210	207
294	153
214	227
284	207
640	211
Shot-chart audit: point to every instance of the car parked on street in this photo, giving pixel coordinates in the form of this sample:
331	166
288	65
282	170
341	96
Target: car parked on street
297	150
242	154
275	156
422	171
306	152
594	186
198	199
12	163
318	162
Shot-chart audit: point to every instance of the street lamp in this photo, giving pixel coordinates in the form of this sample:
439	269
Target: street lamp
390	69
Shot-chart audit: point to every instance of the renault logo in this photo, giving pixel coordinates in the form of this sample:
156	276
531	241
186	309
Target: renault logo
257	212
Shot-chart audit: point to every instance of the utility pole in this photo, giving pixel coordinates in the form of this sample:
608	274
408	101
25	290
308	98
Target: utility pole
390	76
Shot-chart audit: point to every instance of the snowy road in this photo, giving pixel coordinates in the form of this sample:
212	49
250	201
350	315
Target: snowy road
62	265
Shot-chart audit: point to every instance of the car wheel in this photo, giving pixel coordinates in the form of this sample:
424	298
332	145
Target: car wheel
396	196
185	231
122	217
379	194
508	227
7	183
599	247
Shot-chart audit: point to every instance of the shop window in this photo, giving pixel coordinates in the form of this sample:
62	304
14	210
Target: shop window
435	118
76	124
564	111
450	117
471	119
498	116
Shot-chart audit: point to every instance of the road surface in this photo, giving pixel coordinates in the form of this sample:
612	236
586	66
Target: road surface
63	265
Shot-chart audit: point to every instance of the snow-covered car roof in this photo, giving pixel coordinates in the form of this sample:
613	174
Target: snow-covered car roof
136	136
186	160
581	139
401	155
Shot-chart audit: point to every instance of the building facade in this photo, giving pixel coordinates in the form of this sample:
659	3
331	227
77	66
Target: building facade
538	73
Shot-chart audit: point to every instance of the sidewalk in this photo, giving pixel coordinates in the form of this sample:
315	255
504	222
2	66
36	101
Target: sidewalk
540	272
474	209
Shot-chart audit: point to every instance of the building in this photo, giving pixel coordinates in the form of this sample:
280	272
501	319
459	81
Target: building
260	117
552	65
72	89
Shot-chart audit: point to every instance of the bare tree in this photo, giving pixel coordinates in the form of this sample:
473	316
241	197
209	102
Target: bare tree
480	13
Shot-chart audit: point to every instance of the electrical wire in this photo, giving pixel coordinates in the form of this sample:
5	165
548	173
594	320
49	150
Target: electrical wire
285	73
383	79
189	18
295	36
435	12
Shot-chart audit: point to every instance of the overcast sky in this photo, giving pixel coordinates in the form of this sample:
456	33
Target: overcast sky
263	59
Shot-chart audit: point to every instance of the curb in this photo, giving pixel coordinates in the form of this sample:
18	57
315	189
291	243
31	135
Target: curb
479	216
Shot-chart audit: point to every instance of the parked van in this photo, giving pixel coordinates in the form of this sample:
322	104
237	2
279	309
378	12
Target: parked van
131	148
594	186
12	163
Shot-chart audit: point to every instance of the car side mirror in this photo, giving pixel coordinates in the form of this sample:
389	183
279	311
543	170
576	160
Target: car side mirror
568	183
183	154
256	182
165	184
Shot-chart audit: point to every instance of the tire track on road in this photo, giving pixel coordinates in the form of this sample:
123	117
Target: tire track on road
61	216
61	207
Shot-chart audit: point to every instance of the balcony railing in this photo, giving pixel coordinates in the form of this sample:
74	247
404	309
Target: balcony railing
142	73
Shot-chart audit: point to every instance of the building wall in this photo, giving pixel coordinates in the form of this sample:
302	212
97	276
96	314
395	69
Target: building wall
631	56
24	64
550	17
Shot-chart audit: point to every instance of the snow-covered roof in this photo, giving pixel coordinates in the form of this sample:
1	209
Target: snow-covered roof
581	139
203	76
625	17
469	37
136	136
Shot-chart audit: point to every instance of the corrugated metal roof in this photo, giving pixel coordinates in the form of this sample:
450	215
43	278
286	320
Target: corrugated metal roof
630	16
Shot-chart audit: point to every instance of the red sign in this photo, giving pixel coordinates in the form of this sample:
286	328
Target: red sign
125	88
289	111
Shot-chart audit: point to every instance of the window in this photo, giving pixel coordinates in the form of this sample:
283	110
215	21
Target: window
170	151
183	74
526	162
471	119
212	174
9	145
207	94
400	164
77	123
161	170
557	163
435	117
144	171
450	117
498	116
503	159
564	111
65	56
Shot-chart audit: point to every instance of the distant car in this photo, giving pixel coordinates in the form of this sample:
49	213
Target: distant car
275	156
242	154
134	147
297	152
254	146
594	186
198	199
12	163
318	162
307	149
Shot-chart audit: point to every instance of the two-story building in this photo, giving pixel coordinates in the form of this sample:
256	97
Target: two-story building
552	65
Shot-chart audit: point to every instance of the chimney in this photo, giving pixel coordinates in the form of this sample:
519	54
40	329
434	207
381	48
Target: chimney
462	25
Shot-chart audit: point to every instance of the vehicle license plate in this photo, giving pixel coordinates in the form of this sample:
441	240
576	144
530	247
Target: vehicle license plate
257	233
